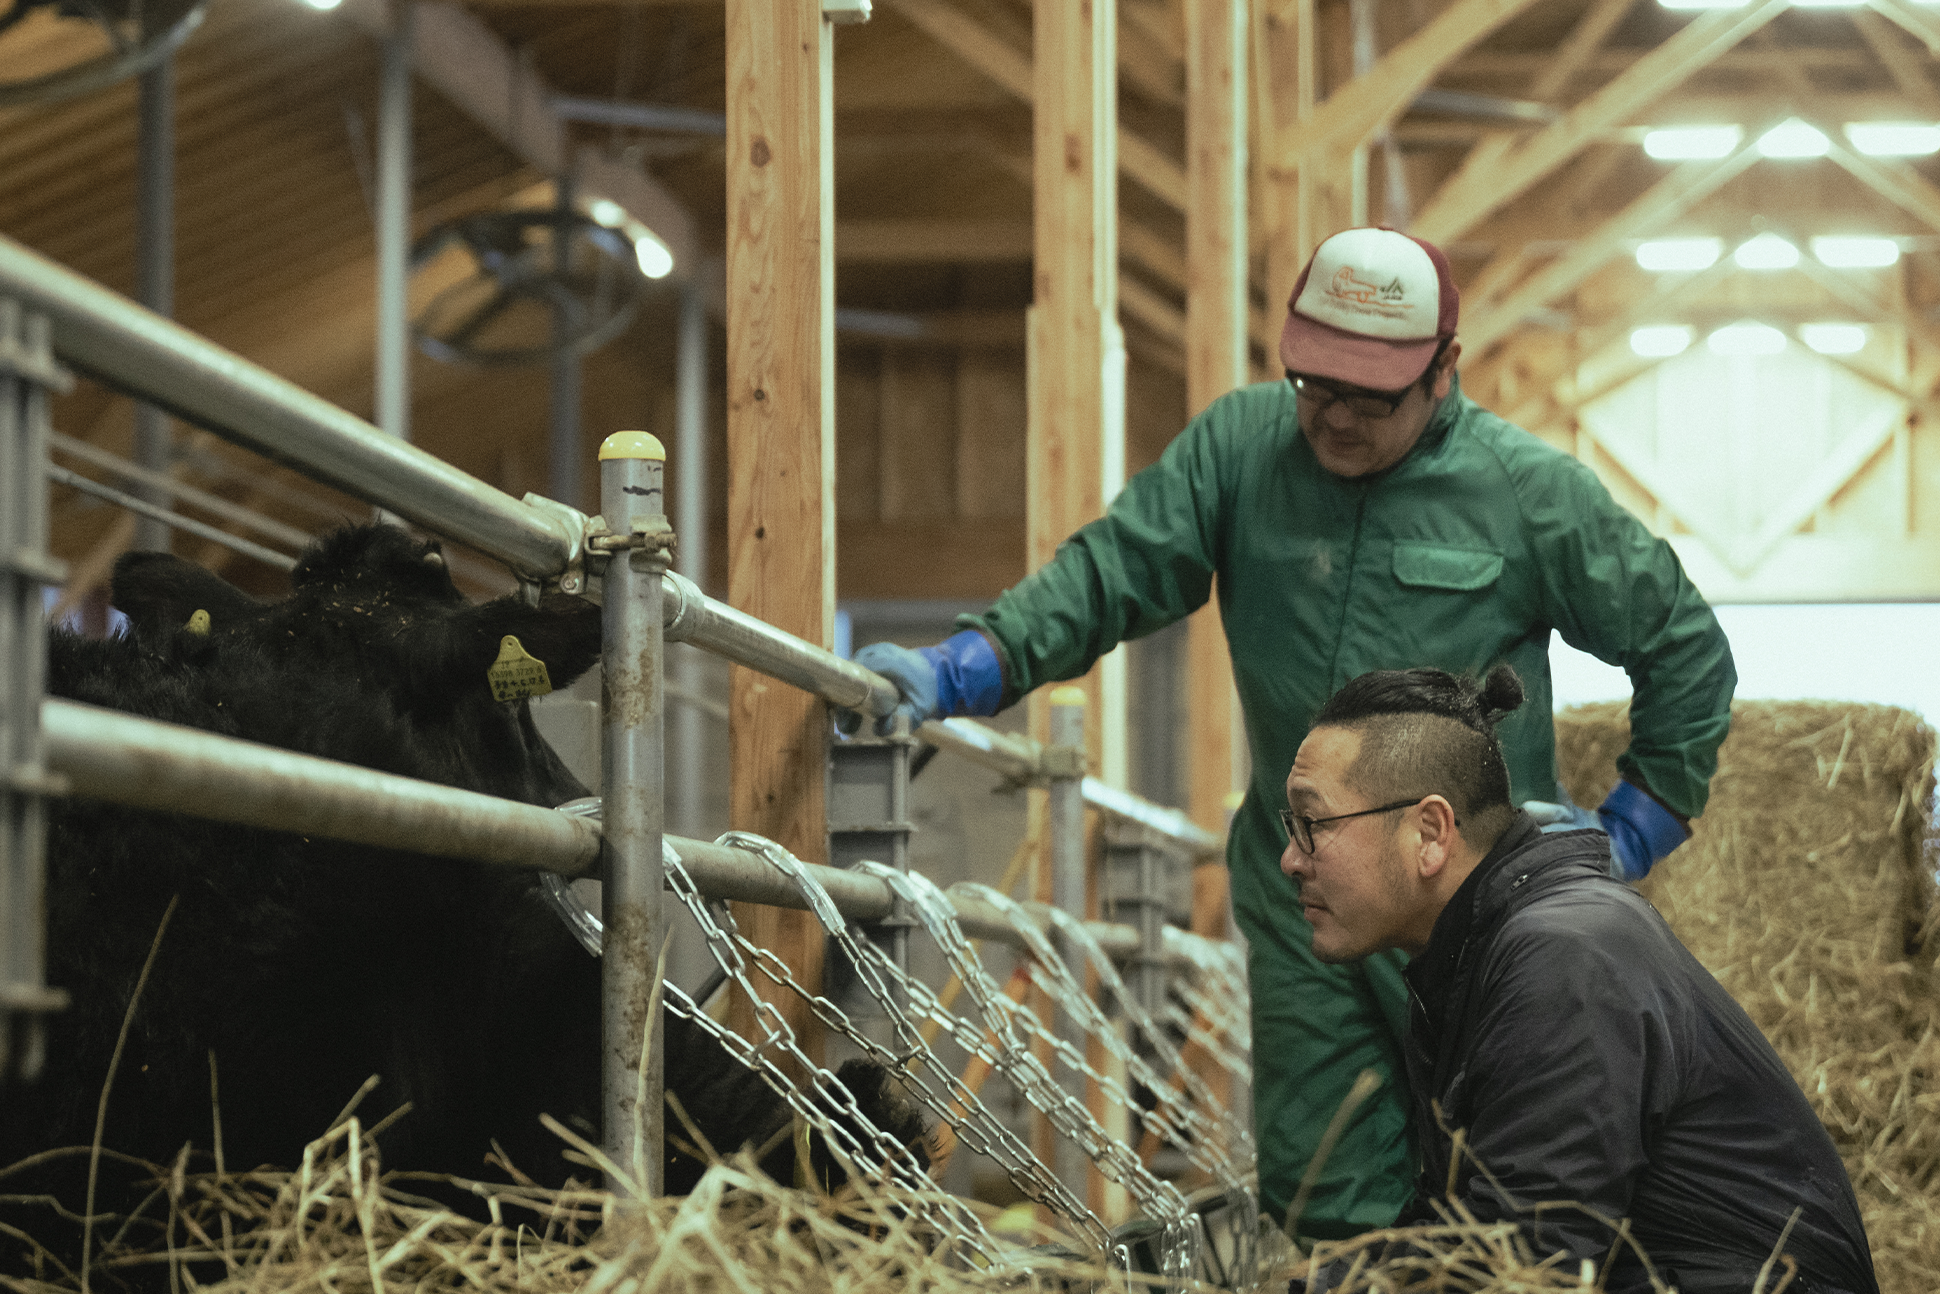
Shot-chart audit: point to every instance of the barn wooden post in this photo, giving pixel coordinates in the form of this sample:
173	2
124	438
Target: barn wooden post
1076	361
1216	345
633	773
780	435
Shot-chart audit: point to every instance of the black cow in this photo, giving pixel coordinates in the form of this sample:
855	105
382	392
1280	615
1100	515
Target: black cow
303	966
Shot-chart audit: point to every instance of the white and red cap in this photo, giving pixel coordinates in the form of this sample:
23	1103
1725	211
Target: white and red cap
1370	309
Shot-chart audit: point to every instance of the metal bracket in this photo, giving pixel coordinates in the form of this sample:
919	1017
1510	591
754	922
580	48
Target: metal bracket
578	527
26	350
845	12
1063	763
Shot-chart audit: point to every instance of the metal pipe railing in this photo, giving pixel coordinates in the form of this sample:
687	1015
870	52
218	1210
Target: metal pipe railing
121	758
693	617
157	360
1020	759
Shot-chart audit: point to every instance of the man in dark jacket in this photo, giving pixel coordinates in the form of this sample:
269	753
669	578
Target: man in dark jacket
1596	1070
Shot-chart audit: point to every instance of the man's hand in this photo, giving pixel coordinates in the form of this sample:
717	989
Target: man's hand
1642	831
960	675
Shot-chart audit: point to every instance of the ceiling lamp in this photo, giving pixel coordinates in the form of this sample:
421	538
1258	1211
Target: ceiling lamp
1660	341
1692	143
1670	254
1746	337
1766	252
1793	138
1894	138
1827	4
1704	4
1833	338
1856	253
656	261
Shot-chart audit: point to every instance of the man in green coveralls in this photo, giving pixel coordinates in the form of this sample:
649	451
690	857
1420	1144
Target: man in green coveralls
1362	514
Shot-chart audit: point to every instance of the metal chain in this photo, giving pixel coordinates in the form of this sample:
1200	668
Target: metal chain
822	1103
1006	1036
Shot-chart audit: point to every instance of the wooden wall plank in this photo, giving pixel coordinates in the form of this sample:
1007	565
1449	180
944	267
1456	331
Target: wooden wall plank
781	433
919	434
1216	328
991	415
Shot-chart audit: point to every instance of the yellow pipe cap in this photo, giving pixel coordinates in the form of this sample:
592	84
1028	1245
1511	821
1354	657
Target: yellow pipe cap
633	444
1069	694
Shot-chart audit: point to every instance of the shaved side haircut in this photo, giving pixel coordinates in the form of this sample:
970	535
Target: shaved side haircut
1429	732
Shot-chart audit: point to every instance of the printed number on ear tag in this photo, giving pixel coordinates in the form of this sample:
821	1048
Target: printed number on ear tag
516	673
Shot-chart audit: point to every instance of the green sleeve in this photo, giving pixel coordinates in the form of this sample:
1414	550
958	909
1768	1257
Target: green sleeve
1147	562
1615	590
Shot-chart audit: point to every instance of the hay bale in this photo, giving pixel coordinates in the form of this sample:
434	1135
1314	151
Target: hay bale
1807	889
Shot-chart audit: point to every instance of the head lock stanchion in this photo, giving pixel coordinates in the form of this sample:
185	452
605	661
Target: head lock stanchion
637	546
1064	767
868	817
27	374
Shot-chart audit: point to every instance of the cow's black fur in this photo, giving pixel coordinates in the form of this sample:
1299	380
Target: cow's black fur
308	965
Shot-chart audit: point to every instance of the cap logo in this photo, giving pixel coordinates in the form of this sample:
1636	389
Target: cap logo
1354	293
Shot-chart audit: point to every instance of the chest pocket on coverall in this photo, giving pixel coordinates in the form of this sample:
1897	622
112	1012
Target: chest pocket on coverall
1436	579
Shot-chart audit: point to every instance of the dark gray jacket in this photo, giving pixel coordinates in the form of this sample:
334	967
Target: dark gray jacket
1592	1060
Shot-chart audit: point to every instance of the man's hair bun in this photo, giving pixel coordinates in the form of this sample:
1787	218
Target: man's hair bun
1501	693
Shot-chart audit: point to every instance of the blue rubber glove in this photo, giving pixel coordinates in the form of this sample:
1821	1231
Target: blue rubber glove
960	675
1561	815
1642	831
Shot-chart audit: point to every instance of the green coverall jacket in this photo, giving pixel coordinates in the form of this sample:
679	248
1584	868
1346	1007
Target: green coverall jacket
1467	552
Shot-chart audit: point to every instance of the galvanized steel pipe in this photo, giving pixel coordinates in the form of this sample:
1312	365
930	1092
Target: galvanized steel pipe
155	359
633	773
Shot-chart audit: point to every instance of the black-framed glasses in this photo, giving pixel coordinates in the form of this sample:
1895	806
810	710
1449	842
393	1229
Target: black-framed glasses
1320	395
1301	827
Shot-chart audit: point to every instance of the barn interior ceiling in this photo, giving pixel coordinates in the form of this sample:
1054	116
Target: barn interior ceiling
1535	141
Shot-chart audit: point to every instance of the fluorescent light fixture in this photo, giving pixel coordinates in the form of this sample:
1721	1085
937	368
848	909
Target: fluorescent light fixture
1833	338
1766	252
656	262
1660	341
1856	253
1793	138
1692	143
324	5
607	212
1827	4
1894	138
1747	337
1669	254
1707	4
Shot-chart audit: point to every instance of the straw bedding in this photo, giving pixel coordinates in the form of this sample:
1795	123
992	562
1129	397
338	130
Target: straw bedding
1807	889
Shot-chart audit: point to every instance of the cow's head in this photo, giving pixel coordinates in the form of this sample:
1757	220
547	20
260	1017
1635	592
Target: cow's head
373	614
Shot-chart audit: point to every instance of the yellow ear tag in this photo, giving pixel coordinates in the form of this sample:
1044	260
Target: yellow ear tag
517	674
198	624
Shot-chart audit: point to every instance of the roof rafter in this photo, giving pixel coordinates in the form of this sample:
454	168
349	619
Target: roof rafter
1471	197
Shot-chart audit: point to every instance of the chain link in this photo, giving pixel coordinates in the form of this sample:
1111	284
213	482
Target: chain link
1205	1007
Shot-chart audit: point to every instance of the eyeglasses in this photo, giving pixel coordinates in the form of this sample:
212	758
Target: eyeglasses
1301	827
1321	395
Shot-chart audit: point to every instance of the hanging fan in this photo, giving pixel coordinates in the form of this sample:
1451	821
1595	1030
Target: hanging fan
57	49
511	287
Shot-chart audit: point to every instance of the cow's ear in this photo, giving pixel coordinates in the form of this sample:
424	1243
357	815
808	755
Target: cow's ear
160	593
563	632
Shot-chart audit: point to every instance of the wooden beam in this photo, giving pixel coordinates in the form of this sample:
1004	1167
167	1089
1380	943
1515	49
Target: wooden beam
781	435
1075	436
1908	69
1662	201
1591	30
1136	301
927	241
1218	320
1471	197
1820	568
1353	114
1919	23
1893	180
458	55
997	59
